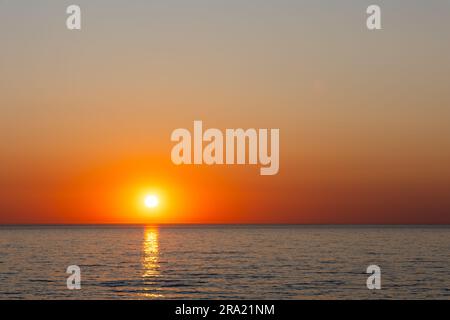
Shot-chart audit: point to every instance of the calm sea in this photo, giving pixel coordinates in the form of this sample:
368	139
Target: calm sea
224	262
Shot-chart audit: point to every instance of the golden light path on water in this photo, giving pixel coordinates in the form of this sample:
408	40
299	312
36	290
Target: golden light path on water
150	260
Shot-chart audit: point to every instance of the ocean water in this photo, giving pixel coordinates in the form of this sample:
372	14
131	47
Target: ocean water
224	262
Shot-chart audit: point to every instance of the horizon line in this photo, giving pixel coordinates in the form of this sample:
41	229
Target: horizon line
223	224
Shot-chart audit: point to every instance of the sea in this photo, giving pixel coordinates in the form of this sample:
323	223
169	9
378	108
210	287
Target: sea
224	262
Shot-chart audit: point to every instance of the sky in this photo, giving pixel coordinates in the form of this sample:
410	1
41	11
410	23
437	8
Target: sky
86	116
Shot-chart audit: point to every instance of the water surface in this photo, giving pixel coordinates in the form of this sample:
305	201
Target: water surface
224	262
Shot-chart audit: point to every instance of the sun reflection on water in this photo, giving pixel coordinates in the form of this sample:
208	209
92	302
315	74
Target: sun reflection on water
150	261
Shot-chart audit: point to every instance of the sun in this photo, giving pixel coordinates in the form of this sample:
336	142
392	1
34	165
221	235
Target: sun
151	201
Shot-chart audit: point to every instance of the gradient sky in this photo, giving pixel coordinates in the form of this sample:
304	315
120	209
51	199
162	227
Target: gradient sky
86	116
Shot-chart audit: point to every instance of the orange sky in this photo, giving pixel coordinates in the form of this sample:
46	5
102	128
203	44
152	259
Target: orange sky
86	117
